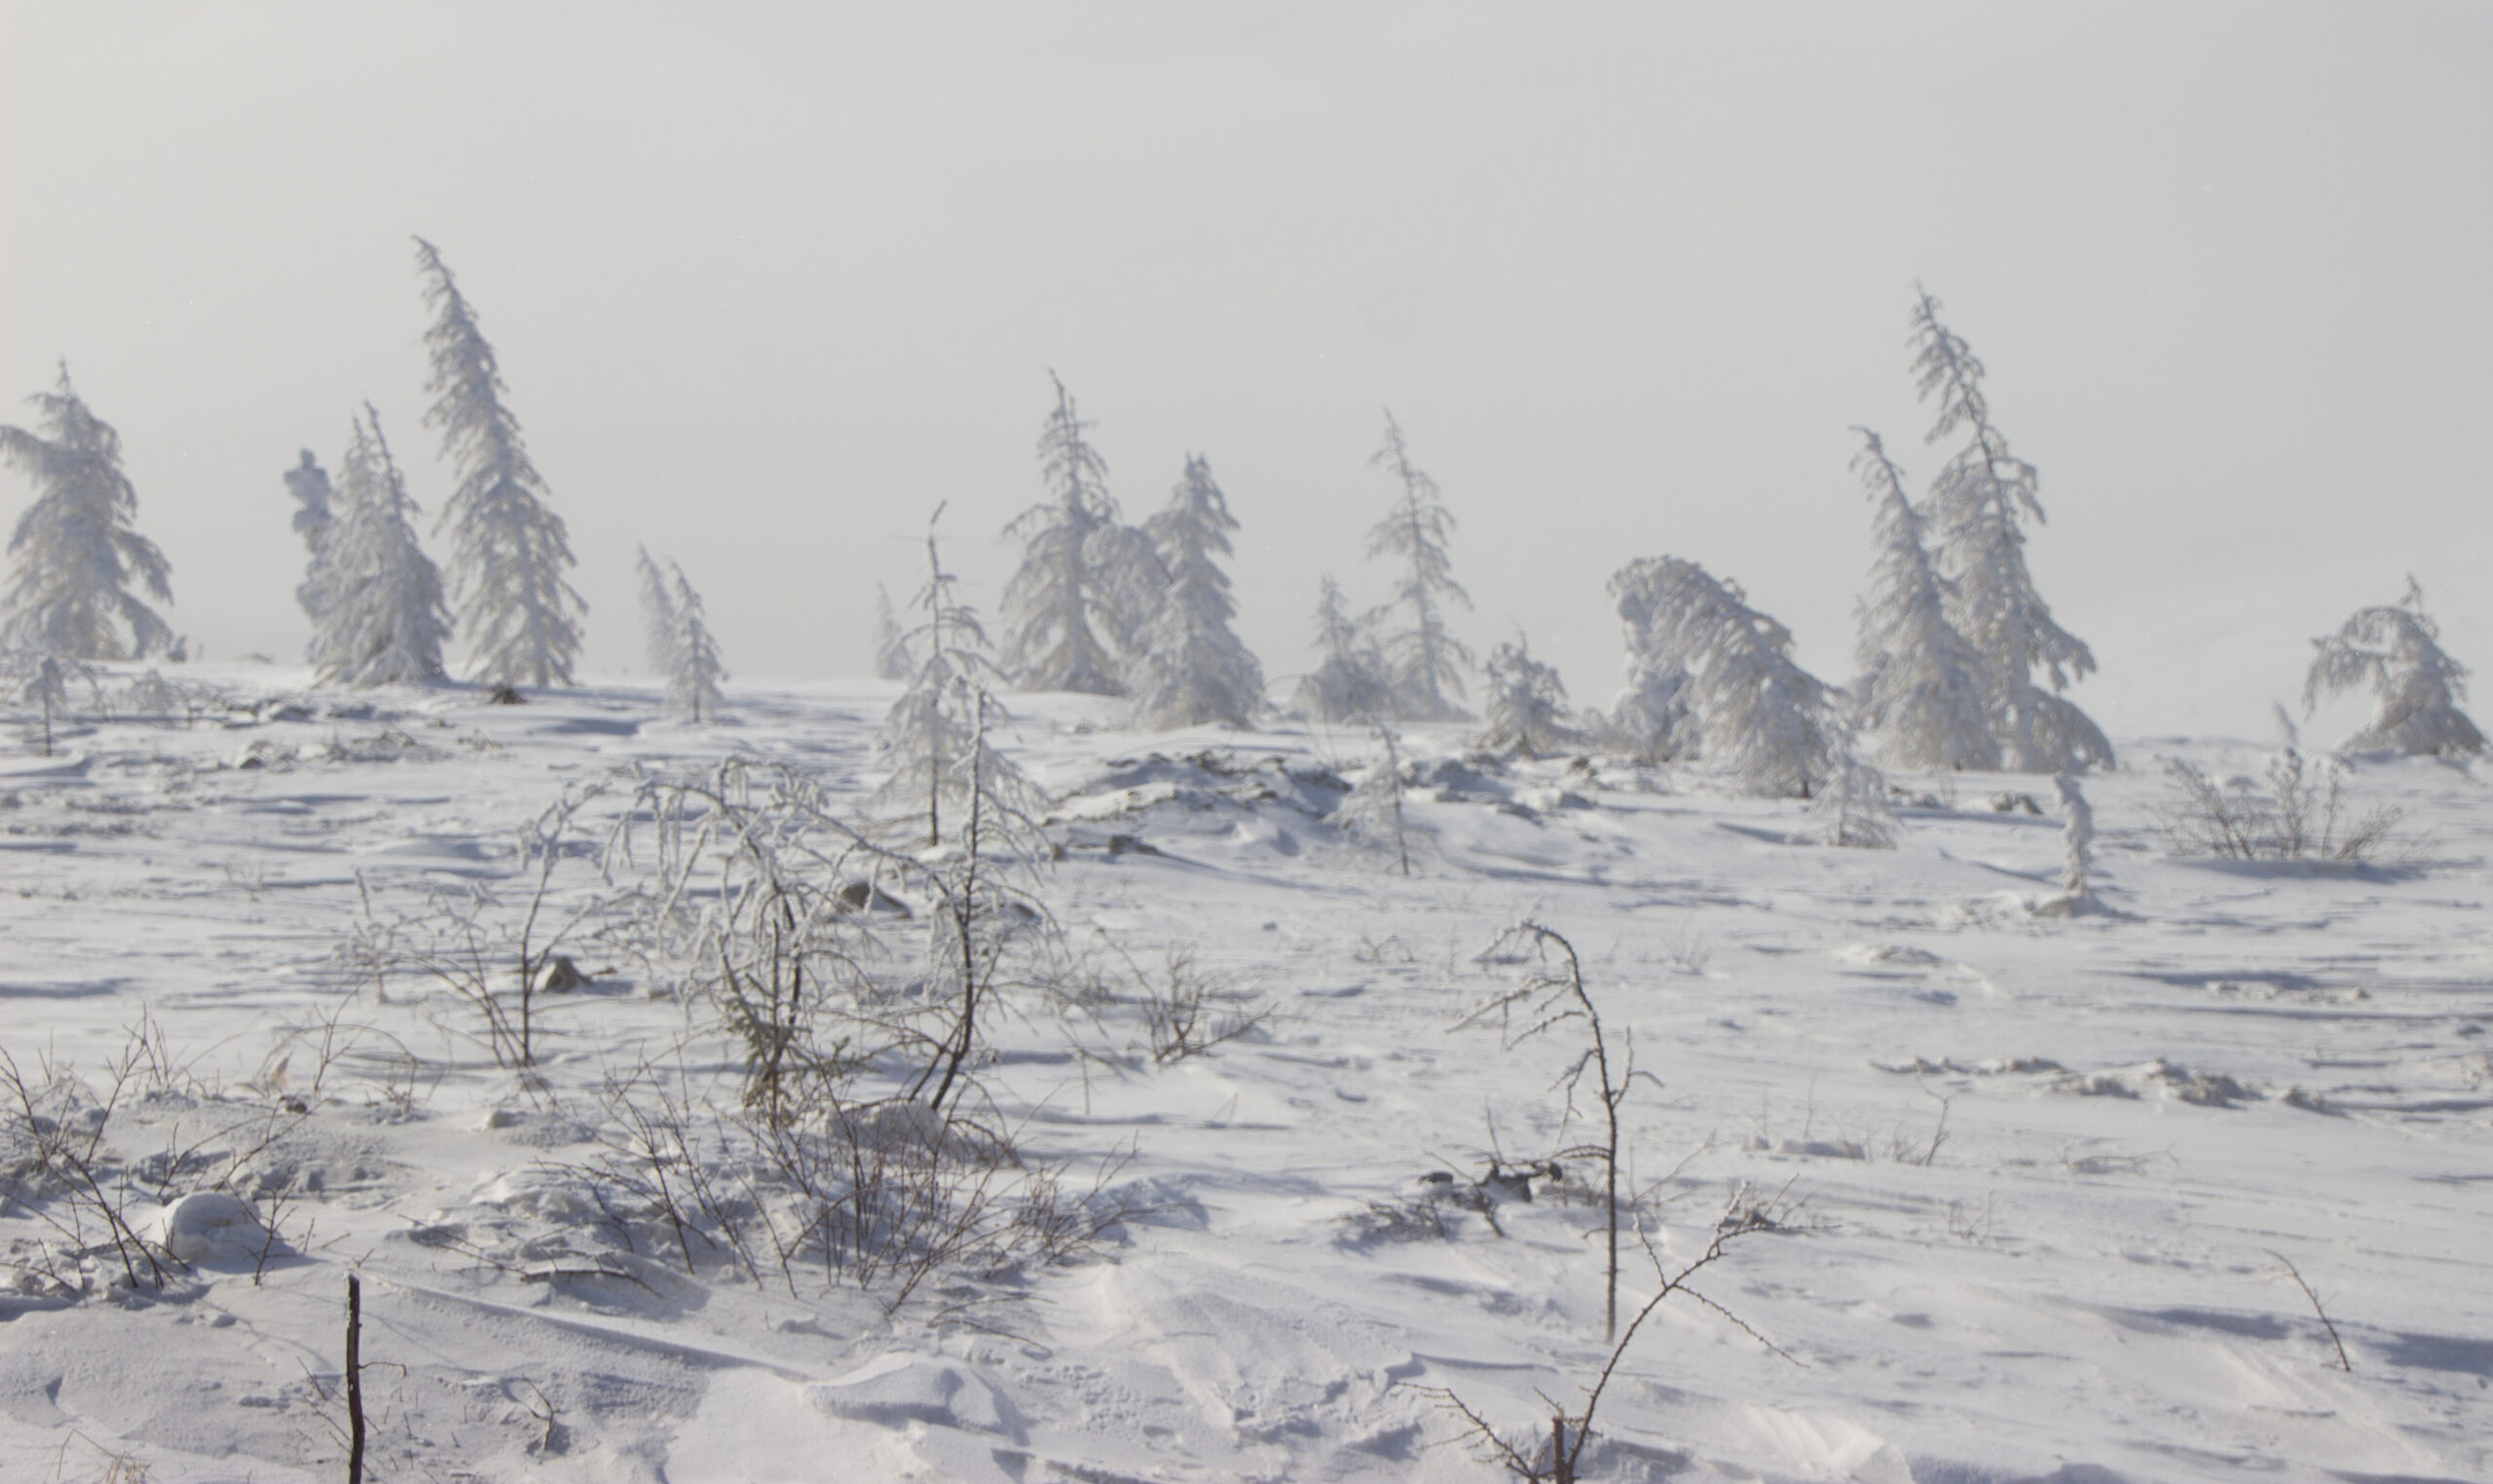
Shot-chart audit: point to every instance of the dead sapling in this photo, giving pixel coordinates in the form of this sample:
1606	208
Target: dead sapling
1556	1456
2326	1323
1551	995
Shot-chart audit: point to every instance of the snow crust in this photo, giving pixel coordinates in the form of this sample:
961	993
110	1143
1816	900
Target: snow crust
2042	1163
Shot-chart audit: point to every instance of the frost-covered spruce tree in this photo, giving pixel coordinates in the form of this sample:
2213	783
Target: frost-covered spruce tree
308	484
1425	660
692	679
658	615
934	738
891	641
1349	684
2396	650
508	551
1086	582
1649	720
1922	690
383	621
1978	505
1191	668
74	555
1526	704
1772	723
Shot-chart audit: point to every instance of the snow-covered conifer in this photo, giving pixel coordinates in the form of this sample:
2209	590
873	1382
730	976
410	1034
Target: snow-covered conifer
1349	684
1758	713
74	554
658	615
381	621
1527	704
692	679
1979	504
1851	807
1921	684
1425	660
1191	668
2396	650
1086	582
891	641
508	551
308	484
934	739
1651	720
2077	835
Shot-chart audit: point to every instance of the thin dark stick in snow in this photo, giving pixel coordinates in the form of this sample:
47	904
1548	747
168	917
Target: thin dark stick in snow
354	1380
2295	1273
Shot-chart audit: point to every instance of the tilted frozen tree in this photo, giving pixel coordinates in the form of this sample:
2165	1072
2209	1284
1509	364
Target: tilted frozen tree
74	554
1426	661
934	739
508	551
1649	720
1086	582
1191	668
1526	704
692	679
1759	715
658	615
308	484
891	646
1349	684
1920	692
1980	504
383	621
2396	650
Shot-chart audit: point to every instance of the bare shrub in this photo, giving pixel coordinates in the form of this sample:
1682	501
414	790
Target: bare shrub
1189	1010
1556	1456
488	952
2301	814
1551	995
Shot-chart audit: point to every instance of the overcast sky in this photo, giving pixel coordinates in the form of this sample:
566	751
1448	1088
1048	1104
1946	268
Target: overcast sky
768	281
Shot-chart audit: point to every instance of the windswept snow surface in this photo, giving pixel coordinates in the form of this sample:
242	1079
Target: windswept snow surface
2039	1163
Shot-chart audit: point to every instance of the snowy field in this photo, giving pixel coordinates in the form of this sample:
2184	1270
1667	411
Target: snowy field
2032	1177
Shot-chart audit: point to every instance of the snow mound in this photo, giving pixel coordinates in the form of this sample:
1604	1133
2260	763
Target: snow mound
212	1227
896	1391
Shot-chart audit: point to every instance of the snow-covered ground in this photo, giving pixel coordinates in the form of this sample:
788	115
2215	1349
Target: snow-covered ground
2033	1175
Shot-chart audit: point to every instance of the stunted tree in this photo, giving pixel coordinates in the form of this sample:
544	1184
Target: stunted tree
1527	704
2395	650
308	484
382	620
75	555
658	615
1921	684
1192	667
1757	712
693	680
509	553
1426	661
678	641
891	648
943	770
1978	505
1086	583
1350	682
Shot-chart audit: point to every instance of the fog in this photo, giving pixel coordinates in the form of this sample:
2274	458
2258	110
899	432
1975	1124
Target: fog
771	281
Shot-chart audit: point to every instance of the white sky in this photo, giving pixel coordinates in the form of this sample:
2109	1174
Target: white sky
771	281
